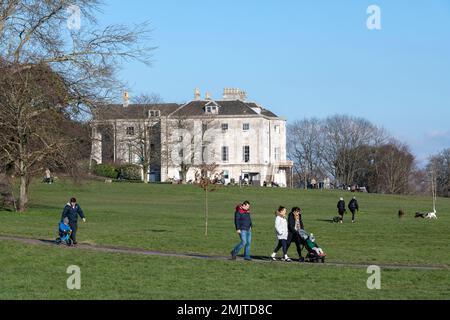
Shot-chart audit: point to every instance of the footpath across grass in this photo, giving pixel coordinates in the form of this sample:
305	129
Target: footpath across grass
33	272
170	218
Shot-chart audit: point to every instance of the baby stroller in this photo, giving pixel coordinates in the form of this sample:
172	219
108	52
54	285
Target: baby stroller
315	253
64	233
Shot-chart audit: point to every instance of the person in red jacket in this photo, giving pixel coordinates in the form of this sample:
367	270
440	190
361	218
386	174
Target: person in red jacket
243	224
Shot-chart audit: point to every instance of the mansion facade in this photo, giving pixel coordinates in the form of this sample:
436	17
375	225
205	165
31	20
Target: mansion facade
245	141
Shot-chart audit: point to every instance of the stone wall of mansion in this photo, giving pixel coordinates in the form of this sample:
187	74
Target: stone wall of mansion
246	141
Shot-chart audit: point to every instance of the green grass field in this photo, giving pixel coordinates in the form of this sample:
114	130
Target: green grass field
170	218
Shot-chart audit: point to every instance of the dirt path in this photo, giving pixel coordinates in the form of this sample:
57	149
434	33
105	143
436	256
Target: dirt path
115	249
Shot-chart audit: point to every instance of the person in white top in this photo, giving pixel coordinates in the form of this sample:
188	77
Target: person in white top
281	228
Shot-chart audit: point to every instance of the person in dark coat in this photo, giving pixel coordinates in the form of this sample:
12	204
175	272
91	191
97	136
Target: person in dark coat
353	206
341	210
295	224
71	211
243	224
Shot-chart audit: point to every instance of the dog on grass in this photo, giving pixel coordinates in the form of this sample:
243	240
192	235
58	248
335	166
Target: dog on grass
429	215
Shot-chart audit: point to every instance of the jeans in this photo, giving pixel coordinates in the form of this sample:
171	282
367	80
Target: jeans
74	227
246	241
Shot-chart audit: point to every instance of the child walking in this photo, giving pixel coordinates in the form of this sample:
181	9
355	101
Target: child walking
281	228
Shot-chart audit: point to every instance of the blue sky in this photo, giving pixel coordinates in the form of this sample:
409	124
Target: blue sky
304	58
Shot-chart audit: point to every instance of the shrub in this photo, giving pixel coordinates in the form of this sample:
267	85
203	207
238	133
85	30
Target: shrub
130	172
106	170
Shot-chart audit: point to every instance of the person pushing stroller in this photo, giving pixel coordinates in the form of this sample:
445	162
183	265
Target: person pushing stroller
71	211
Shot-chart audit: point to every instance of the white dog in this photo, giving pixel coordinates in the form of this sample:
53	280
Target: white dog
431	215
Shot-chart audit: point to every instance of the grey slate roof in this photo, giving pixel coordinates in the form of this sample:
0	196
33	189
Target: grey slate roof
191	109
133	111
226	108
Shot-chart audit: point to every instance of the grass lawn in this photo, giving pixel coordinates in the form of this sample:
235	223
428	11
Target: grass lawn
170	218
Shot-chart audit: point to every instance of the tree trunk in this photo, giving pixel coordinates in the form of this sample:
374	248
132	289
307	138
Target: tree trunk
145	173
23	195
206	212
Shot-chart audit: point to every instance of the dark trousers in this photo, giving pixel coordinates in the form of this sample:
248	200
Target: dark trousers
295	237
353	214
74	227
281	244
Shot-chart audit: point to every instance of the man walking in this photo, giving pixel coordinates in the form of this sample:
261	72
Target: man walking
341	210
353	206
243	224
71	211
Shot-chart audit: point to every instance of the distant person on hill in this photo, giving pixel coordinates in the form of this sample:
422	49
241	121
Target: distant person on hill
295	224
71	211
243	224
341	210
48	176
353	206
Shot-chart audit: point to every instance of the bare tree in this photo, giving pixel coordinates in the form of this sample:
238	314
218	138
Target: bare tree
440	165
206	179
395	165
342	141
145	139
305	149
81	61
189	142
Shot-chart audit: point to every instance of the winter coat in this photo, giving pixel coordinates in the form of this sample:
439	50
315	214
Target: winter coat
281	228
72	213
353	205
242	219
291	223
341	207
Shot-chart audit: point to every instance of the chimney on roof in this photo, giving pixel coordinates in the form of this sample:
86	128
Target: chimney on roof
197	95
234	94
126	99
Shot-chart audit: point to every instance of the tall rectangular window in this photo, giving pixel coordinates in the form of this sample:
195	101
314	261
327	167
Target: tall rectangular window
277	129
246	127
204	154
224	127
181	154
277	154
225	154
130	154
130	131
246	154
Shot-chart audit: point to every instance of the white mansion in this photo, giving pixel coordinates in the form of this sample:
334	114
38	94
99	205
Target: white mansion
246	141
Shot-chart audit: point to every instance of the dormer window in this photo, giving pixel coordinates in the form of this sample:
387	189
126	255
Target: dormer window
154	114
211	108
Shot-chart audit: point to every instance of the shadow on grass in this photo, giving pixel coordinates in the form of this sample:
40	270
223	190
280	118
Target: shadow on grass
326	220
